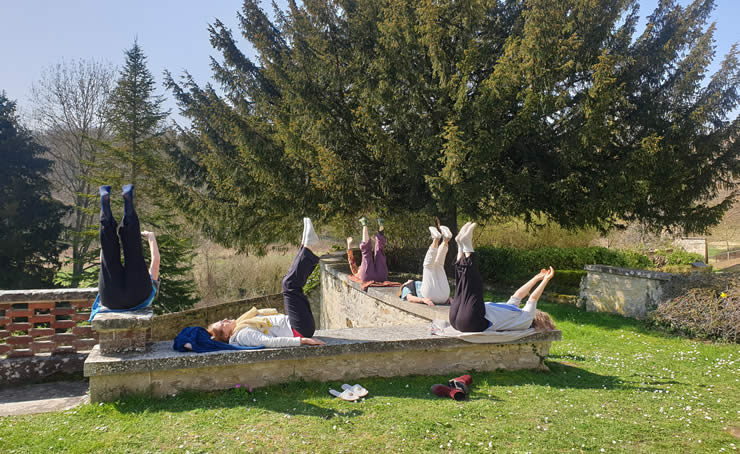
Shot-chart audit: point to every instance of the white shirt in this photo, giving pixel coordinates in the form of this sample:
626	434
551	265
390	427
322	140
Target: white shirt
280	334
508	317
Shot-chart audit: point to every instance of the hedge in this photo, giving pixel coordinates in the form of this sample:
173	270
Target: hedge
508	265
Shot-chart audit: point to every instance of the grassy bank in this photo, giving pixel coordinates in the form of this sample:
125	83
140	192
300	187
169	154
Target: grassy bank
615	385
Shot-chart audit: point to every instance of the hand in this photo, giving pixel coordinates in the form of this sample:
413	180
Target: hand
428	302
149	236
549	274
310	341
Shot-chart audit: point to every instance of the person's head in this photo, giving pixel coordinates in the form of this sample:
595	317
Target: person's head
542	321
221	330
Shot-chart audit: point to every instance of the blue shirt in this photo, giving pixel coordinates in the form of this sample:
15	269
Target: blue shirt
405	292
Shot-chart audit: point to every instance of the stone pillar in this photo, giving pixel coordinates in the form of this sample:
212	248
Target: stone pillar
624	291
120	332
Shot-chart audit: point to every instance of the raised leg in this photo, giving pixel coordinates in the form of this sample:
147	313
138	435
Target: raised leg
297	307
111	277
138	285
467	310
380	264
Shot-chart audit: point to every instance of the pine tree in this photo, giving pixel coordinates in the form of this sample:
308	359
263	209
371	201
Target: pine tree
544	109
30	220
136	156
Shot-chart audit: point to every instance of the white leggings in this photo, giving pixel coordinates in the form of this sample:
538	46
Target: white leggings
434	283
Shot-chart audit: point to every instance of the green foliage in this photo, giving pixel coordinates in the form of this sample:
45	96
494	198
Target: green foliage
314	280
560	111
681	257
707	307
514	266
89	278
30	220
136	155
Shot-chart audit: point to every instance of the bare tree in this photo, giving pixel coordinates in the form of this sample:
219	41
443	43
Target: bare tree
69	105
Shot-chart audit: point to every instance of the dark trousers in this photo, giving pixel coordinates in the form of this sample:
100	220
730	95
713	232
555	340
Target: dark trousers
122	286
296	304
467	310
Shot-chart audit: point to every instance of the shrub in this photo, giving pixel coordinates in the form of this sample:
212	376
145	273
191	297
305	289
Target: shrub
681	257
508	265
707	306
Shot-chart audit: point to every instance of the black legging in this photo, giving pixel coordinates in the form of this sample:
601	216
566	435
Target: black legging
119	286
467	310
296	304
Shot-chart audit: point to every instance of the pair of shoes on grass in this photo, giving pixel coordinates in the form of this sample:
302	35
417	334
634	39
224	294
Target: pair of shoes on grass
457	388
350	393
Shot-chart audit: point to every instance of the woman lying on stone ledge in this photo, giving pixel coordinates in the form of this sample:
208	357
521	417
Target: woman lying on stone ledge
434	288
268	328
468	311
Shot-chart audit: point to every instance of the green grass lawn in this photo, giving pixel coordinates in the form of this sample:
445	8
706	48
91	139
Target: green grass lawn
614	386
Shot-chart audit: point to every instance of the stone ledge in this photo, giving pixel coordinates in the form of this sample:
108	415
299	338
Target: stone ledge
30	296
106	321
340	342
657	275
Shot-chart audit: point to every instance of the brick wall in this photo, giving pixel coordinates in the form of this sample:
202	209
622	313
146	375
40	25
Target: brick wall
41	322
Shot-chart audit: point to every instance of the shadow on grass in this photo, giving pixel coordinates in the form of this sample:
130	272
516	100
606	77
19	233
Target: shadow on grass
312	398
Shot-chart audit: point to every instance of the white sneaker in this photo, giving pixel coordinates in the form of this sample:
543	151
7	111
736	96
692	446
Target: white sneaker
446	233
461	233
435	233
310	238
465	238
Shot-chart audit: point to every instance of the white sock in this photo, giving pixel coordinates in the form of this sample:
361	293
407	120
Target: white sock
310	236
435	233
445	232
303	237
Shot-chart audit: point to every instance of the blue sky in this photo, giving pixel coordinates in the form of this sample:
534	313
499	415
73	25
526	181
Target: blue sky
173	33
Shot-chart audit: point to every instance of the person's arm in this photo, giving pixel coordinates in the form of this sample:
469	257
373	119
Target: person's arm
415	299
154	249
531	305
352	265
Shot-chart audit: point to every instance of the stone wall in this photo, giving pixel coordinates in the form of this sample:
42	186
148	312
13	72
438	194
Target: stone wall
350	354
632	293
43	332
345	305
695	245
166	326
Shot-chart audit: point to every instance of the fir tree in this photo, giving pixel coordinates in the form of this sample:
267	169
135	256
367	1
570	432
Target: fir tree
545	109
30	220
136	156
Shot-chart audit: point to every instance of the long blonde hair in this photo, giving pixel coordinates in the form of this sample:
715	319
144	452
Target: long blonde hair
542	322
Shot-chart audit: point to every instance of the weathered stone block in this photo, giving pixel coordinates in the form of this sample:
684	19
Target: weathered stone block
632	293
350	354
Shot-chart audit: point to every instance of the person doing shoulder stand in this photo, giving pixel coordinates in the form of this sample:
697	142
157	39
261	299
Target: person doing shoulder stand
127	286
468	311
267	327
434	288
374	266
